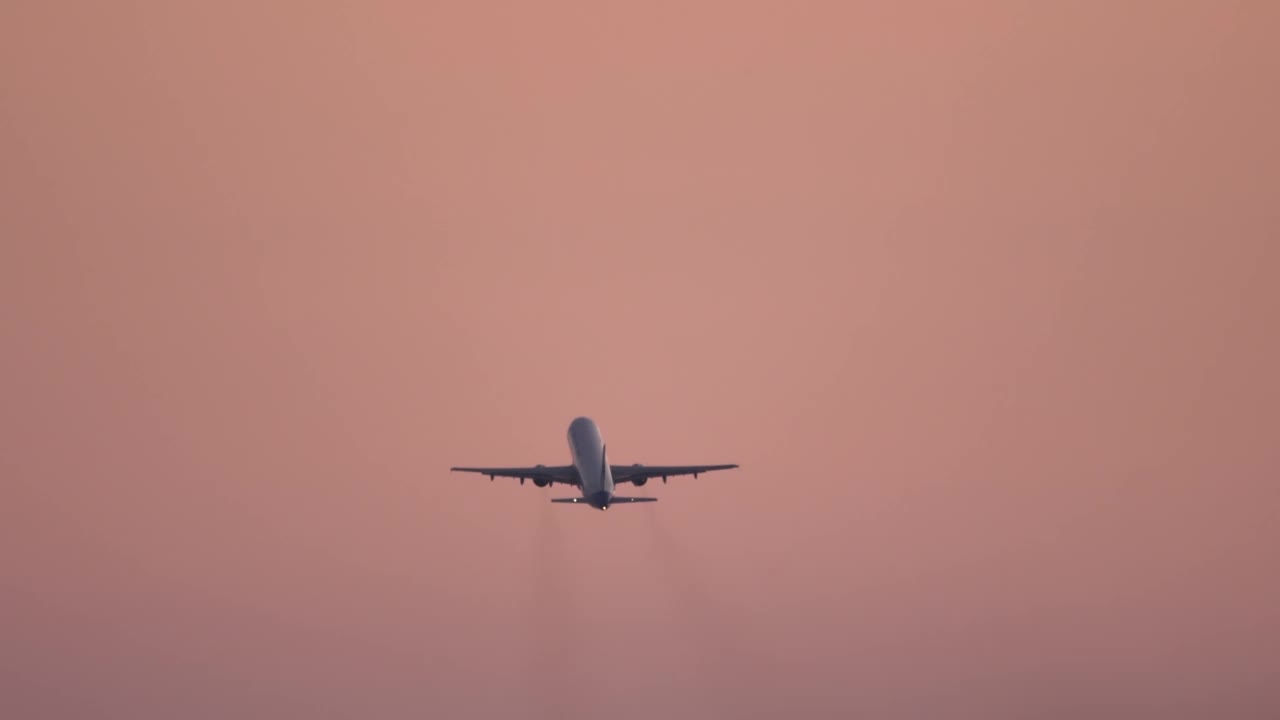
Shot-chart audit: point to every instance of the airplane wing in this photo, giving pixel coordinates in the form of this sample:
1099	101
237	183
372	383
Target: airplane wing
563	474
632	473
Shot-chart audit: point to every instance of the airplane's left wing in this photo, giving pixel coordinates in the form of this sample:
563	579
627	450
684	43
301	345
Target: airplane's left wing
563	474
631	473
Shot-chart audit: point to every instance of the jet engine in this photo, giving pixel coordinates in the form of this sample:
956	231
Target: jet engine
541	482
639	481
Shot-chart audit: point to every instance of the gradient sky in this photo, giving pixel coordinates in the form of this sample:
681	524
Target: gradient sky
982	296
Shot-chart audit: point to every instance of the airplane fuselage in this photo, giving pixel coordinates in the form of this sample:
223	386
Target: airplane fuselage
586	448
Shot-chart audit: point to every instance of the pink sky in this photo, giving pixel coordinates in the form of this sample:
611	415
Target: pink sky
982	296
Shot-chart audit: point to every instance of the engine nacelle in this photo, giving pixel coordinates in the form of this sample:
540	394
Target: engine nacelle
639	481
541	482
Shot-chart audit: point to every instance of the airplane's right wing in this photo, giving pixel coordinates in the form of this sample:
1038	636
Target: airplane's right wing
544	474
631	473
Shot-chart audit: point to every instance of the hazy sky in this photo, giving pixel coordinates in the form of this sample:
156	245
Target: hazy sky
982	296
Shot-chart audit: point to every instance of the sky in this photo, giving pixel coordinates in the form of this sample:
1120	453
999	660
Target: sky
983	298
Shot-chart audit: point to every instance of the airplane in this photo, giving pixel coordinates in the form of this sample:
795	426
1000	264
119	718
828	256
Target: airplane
591	472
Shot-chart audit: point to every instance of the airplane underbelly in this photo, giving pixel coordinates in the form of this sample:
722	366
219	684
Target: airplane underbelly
594	477
587	449
594	473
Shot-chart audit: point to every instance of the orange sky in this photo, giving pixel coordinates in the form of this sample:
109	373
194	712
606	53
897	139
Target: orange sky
982	296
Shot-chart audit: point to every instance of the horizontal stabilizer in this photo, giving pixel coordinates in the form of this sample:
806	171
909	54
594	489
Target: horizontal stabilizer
615	500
